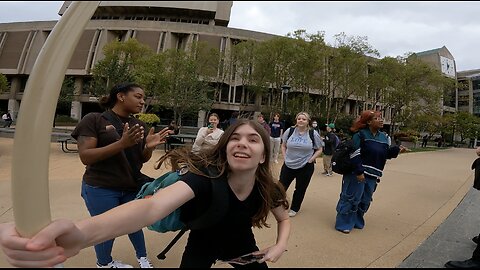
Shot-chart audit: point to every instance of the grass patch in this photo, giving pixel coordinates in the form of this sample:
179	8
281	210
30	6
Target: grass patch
426	149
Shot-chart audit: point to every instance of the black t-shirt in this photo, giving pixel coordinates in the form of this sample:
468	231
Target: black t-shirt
114	172
233	235
276	127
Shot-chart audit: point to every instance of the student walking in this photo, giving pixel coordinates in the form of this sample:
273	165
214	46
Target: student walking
331	141
300	150
242	160
369	158
277	129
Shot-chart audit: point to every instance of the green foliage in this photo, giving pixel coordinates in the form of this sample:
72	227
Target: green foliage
3	83
148	118
65	119
407	136
119	65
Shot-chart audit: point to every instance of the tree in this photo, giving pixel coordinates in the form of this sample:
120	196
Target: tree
3	83
466	125
273	65
118	66
347	75
65	97
174	81
414	88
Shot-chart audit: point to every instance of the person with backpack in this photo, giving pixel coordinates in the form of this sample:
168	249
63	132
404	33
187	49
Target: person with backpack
301	146
113	146
371	151
331	142
241	158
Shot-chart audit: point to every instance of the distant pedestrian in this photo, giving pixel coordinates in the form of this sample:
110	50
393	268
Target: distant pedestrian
208	136
473	262
264	124
440	141
425	140
331	141
276	134
7	117
171	140
369	158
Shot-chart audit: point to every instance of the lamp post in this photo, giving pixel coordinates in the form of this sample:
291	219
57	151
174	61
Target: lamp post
285	90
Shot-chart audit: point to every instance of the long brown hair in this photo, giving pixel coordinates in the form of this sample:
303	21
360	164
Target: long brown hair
272	193
363	119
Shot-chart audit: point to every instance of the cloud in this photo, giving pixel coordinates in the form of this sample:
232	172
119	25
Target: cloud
393	28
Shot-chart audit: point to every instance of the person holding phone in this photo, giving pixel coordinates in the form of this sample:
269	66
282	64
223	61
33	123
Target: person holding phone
208	136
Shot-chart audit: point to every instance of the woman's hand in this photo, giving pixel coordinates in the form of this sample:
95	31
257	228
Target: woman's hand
58	241
271	254
153	139
132	135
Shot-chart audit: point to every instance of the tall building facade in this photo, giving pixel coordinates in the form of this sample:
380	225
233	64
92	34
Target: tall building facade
443	60
161	25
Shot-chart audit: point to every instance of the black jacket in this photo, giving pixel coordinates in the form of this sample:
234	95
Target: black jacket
476	167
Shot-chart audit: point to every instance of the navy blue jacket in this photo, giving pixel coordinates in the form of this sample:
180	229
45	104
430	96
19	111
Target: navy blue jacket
371	155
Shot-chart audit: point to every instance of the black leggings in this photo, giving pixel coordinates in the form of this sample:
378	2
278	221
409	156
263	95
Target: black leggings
303	177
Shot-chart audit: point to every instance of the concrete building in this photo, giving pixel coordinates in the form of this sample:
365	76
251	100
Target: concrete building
159	24
469	91
443	60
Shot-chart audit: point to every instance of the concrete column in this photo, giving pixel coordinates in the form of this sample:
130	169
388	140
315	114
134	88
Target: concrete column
76	108
13	104
201	118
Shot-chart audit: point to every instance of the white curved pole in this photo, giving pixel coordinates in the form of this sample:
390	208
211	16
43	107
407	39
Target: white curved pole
31	146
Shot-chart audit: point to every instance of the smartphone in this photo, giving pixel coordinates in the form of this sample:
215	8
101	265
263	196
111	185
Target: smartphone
210	126
251	257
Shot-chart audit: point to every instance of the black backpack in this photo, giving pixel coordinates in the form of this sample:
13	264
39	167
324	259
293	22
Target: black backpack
341	162
310	133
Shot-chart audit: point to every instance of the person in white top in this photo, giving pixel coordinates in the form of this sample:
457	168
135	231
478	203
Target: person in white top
208	136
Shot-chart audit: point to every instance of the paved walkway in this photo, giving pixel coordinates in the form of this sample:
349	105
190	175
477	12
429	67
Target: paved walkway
416	195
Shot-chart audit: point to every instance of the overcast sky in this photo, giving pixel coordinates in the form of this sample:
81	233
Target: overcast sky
393	28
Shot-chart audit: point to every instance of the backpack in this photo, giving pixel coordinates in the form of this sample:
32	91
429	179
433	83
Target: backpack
216	211
341	162
310	133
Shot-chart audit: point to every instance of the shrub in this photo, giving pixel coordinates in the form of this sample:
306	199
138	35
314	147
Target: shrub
148	118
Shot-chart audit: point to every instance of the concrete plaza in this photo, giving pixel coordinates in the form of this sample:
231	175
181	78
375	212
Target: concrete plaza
416	195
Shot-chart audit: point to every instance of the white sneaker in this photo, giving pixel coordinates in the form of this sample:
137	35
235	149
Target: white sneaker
292	213
144	262
115	264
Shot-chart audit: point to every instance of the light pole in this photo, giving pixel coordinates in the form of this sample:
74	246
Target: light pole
285	90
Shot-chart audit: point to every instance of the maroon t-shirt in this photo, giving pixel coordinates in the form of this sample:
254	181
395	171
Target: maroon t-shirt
114	172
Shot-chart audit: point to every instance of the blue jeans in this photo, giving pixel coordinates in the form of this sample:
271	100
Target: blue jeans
354	202
99	200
